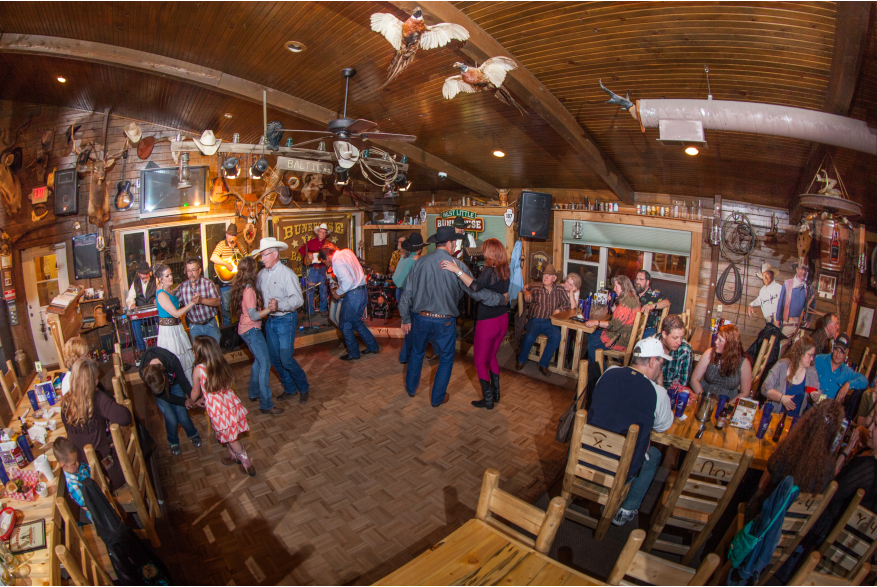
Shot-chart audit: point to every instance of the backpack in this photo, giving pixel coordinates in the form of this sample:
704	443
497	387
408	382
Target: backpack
744	543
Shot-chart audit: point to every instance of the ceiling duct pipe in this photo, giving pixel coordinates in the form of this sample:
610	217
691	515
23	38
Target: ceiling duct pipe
763	119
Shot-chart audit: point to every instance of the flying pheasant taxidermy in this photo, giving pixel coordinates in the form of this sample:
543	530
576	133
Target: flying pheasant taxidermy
489	77
406	37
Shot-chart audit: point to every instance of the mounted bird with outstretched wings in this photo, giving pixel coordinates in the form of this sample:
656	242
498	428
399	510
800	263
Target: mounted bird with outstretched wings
489	77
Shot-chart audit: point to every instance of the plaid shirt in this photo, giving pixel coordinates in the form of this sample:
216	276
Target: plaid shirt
679	369
544	304
199	314
74	485
651	296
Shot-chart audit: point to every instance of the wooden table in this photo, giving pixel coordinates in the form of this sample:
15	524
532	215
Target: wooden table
477	554
44	570
566	323
731	439
701	341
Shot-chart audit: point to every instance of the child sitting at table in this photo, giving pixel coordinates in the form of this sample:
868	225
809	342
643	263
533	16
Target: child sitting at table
74	472
213	376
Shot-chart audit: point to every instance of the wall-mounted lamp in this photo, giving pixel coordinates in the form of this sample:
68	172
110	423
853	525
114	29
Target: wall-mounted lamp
185	175
402	182
578	230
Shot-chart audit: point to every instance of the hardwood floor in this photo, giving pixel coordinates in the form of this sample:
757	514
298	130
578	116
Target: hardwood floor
356	482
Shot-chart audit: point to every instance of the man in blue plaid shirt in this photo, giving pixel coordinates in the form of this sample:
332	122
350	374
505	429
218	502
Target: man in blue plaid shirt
672	336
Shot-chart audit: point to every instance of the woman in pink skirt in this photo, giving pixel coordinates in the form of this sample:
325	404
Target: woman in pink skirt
213	376
492	322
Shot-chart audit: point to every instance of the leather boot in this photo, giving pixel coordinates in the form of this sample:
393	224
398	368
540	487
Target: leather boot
494	383
487	390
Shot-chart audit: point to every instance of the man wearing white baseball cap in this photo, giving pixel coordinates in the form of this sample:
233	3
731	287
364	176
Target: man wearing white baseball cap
629	395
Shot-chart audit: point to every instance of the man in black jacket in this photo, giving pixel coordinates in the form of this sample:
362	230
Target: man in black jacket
163	375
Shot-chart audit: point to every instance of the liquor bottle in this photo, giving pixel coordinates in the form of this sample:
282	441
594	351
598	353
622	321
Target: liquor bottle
834	256
780	425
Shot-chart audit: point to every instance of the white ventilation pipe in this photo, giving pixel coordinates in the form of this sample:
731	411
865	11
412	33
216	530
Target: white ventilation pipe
764	119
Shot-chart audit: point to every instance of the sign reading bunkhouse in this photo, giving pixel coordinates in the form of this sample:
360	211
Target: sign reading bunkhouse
473	223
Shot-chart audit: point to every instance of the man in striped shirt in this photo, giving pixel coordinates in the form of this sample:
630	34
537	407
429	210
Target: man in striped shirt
223	255
546	299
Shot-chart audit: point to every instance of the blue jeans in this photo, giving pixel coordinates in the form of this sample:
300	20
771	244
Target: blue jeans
594	343
260	386
650	332
351	320
210	329
317	276
176	415
535	327
137	329
225	301
442	332
640	484
280	336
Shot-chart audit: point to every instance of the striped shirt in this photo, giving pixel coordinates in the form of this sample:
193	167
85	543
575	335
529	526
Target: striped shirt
545	303
225	252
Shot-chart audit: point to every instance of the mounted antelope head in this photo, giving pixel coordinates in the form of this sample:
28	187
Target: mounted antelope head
10	187
98	199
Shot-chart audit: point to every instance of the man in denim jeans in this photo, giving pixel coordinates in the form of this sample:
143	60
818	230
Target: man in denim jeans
429	309
351	288
163	375
281	290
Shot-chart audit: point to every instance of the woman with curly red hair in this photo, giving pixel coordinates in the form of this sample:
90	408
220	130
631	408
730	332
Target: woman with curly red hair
724	369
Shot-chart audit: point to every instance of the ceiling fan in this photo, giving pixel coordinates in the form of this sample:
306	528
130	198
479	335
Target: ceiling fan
353	131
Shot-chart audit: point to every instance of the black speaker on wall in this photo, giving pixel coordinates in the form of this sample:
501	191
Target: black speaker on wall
535	219
66	198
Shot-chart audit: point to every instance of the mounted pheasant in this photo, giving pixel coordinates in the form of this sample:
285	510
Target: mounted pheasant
489	77
406	37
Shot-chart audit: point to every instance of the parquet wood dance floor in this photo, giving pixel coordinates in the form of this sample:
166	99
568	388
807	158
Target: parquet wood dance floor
356	482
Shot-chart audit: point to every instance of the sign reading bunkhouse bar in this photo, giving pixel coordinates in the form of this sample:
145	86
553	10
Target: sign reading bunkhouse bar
473	223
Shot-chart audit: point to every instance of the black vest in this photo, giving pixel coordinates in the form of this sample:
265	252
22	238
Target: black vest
141	299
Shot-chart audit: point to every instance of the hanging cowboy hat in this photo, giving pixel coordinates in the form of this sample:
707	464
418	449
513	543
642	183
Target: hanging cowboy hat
323	226
133	132
208	143
346	153
284	194
144	147
269	243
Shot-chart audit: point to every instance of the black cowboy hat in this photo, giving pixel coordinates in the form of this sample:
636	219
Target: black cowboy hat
444	234
459	222
413	242
143	268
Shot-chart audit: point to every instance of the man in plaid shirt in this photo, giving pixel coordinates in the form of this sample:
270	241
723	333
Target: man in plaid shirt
546	299
202	317
672	336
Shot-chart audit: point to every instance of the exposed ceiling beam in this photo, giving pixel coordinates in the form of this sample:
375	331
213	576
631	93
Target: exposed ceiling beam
221	82
850	41
481	46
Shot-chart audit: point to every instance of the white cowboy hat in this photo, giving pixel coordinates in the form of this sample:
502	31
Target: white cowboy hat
208	143
133	132
323	226
269	243
346	153
767	267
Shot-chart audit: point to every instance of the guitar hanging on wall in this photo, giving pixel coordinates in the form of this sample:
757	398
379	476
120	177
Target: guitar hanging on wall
124	198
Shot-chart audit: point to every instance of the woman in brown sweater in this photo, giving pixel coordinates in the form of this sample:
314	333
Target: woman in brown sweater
86	416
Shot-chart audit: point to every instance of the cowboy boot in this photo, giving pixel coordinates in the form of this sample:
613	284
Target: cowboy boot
487	390
494	383
230	461
247	464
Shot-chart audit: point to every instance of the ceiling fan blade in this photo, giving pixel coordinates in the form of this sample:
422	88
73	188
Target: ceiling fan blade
358	126
385	136
298	130
313	141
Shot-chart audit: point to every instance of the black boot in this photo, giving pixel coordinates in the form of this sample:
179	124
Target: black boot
494	383
487	390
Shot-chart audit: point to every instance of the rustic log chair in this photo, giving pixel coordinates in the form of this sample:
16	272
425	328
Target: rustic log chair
864	360
664	314
81	562
695	497
586	471
121	501
686	319
119	390
851	543
137	477
622	358
807	574
761	360
119	371
494	502
867	372
11	390
653	570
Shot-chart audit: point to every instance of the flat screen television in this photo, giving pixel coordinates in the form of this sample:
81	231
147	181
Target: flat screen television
159	195
86	257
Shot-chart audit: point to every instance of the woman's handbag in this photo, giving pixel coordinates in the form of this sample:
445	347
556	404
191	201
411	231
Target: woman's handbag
564	425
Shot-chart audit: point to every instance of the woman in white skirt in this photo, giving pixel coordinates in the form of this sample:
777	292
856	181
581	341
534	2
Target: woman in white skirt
171	334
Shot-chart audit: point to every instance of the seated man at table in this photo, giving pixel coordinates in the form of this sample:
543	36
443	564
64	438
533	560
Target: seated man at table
672	336
629	395
650	300
546	299
834	373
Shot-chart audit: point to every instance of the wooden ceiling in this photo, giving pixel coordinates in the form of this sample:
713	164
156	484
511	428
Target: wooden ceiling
779	53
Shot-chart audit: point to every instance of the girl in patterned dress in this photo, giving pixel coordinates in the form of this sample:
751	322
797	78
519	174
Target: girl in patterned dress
213	376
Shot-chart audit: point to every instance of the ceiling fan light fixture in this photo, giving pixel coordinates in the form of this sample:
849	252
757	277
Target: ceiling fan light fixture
691	150
295	46
498	153
342	176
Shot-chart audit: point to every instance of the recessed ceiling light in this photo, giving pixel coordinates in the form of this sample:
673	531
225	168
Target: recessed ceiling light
62	79
295	46
499	154
227	114
692	150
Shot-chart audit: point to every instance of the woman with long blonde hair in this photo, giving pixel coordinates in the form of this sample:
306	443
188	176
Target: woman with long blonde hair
613	334
86	415
724	369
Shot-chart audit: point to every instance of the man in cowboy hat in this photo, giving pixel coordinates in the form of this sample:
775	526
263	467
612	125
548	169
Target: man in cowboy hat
545	299
466	239
282	294
316	270
413	247
141	293
429	311
795	297
768	295
226	253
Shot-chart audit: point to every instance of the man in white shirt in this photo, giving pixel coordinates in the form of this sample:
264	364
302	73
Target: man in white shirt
141	293
467	241
351	288
768	295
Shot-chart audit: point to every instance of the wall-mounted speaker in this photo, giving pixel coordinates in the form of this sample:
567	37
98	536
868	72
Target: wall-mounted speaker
535	215
66	197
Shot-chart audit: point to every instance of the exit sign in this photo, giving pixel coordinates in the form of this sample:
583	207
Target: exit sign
39	195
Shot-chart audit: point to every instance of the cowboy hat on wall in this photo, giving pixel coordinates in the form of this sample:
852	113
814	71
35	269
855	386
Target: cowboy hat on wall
208	144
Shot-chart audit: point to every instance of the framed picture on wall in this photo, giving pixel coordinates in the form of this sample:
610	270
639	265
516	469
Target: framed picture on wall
864	321
826	286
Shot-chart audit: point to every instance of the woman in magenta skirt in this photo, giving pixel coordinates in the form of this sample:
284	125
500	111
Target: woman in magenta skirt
492	322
